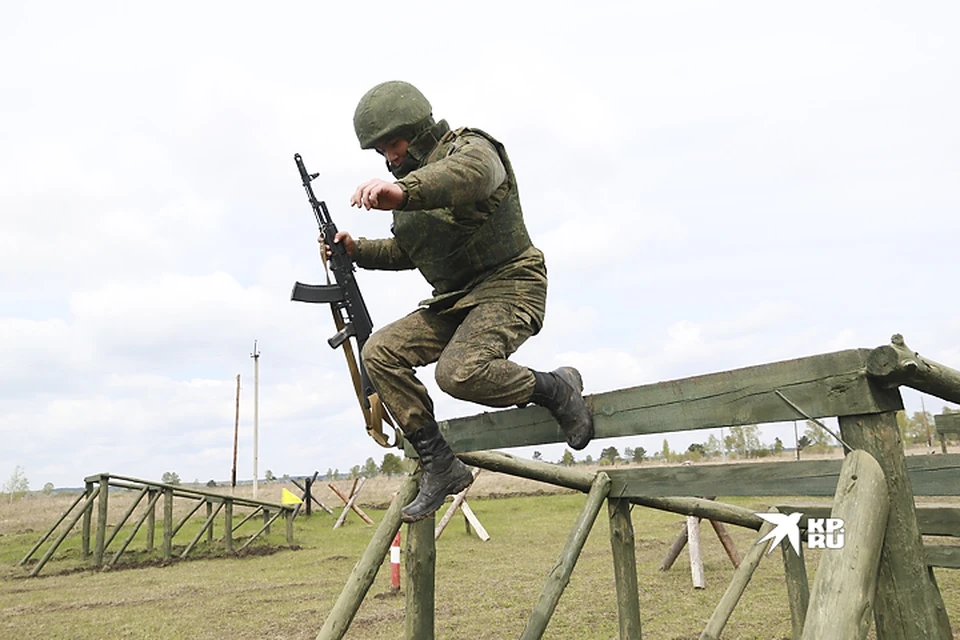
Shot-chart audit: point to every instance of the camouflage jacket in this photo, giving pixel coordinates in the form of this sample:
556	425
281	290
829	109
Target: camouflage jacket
462	227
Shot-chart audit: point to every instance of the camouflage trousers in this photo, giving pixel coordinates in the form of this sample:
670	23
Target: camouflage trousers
470	348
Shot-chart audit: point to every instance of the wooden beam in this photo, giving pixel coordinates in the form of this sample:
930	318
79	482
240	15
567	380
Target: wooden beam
738	584
841	600
420	562
930	476
908	604
363	573
559	575
622	545
531	469
933	519
828	385
896	364
798	588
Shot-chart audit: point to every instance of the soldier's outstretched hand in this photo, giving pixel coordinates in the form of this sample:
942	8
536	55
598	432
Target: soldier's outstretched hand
342	237
378	194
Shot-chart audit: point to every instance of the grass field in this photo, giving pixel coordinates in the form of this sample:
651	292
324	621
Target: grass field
484	589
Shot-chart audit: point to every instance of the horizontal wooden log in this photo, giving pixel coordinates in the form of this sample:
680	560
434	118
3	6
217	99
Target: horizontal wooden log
934	520
896	364
943	556
708	509
930	476
828	385
531	469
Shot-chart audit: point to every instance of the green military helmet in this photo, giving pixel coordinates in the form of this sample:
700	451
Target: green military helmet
393	108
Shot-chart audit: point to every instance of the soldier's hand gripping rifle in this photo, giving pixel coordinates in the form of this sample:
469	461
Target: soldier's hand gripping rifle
350	313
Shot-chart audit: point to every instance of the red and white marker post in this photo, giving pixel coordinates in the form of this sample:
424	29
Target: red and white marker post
395	564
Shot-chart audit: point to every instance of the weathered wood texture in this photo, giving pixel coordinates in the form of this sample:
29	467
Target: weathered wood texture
929	475
798	588
726	542
738	584
948	424
729	513
828	385
624	568
531	469
841	600
559	575
420	561
364	572
896	364
346	500
674	551
933	519
696	556
908	605
452	509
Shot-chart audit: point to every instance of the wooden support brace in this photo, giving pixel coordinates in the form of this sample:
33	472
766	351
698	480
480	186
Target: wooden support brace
560	574
148	512
472	519
674	551
420	560
63	536
347	605
458	500
351	504
739	582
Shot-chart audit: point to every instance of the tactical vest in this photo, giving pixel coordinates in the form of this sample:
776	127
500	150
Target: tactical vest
456	247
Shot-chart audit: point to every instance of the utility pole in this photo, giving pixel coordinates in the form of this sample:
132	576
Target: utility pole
256	411
236	438
796	439
926	425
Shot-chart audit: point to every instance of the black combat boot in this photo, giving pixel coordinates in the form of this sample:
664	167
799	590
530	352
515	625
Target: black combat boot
443	473
561	391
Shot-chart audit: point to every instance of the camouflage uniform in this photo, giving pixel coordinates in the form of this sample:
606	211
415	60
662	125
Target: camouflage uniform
462	227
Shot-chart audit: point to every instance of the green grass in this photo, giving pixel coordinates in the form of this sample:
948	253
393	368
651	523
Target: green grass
484	589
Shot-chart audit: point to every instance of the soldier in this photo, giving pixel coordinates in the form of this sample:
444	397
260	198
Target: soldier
457	219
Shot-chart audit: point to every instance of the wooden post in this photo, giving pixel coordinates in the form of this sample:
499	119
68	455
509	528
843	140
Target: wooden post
696	558
291	514
739	582
798	588
85	527
420	565
101	520
841	602
908	605
167	523
152	518
560	574
266	521
228	524
624	569
340	617
209	514
50	531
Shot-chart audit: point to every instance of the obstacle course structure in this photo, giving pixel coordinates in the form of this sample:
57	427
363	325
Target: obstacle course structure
97	490
881	574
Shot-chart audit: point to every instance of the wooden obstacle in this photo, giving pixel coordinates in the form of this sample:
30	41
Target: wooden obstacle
469	517
306	494
860	387
350	502
689	536
948	424
97	490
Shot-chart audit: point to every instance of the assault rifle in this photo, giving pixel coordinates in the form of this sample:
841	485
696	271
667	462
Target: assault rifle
350	313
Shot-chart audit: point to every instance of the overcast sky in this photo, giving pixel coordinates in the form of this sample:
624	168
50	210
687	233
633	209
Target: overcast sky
715	185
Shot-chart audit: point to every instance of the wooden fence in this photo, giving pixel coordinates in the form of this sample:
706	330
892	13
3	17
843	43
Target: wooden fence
96	536
860	387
